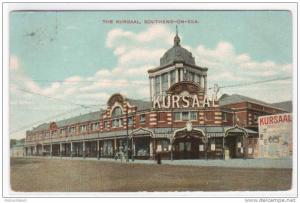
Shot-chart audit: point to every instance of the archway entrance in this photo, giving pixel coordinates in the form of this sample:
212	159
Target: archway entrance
235	142
189	144
142	143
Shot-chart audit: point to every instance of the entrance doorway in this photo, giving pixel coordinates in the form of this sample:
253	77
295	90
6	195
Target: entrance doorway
141	147
234	144
189	145
188	148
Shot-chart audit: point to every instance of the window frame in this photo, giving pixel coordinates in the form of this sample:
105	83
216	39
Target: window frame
142	121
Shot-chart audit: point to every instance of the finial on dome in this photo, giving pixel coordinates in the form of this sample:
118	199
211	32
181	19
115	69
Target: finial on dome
176	38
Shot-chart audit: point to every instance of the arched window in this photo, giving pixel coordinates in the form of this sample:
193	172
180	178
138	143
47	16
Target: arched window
116	112
117	121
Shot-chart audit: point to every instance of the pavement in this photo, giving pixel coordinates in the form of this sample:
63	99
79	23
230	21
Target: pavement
231	163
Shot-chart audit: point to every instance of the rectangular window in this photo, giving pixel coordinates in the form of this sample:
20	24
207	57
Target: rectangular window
177	116
142	118
130	121
185	116
157	85
83	128
165	145
164	82
191	76
224	116
188	146
95	126
255	117
62	131
197	78
173	77
72	129
105	124
193	115
116	123
181	146
201	147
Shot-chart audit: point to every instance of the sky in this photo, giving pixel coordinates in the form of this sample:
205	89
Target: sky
67	63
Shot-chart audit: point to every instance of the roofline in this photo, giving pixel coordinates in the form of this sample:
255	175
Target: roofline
255	103
153	70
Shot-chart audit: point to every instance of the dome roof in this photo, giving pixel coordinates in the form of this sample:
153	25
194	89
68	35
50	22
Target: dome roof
177	54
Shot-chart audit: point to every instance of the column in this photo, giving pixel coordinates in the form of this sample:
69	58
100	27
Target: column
98	149
244	147
205	84
115	145
35	150
201	81
83	149
151	147
177	75
50	149
171	143
43	149
160	85
169	80
153	86
133	148
181	74
60	149
154	148
223	145
71	154
151	93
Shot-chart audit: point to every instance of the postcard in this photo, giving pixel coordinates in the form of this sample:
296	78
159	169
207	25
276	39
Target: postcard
137	101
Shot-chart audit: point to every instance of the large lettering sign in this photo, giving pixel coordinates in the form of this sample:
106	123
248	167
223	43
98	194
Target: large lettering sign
275	135
183	101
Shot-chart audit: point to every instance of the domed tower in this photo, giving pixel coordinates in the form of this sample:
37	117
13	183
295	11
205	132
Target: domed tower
176	65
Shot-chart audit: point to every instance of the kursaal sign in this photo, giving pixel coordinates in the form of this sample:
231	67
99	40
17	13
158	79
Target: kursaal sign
183	101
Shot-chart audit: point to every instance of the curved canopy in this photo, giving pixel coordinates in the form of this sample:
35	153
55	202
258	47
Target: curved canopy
236	130
189	132
141	132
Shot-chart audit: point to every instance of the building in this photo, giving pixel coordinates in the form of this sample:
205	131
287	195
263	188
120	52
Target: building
17	148
179	122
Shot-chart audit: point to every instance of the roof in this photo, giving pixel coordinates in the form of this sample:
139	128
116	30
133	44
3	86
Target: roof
140	104
97	115
286	105
226	99
177	53
44	126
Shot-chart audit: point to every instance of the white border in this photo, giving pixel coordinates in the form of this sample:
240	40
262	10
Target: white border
137	6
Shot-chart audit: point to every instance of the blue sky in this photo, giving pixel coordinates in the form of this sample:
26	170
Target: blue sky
72	49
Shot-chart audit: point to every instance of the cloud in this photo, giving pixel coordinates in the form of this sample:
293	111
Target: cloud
225	66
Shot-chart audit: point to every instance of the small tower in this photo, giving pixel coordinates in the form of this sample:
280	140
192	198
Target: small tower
176	65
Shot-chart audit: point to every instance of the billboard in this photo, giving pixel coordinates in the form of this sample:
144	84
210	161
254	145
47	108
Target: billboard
275	135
